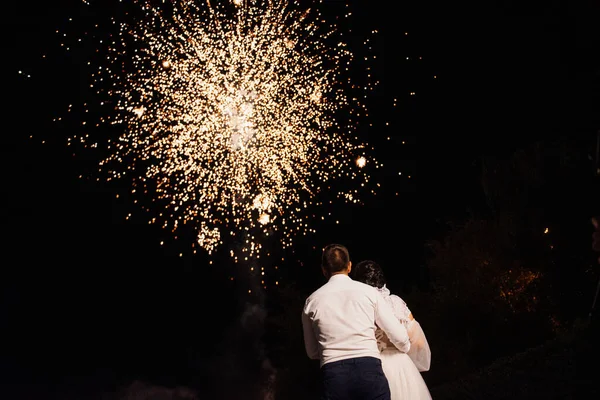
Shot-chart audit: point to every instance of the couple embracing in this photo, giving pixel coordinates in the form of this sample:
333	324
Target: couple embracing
368	343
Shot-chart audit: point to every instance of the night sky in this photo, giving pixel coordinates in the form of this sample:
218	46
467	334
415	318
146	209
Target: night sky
84	290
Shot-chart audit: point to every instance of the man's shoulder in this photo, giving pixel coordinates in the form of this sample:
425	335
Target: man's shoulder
316	293
352	285
365	288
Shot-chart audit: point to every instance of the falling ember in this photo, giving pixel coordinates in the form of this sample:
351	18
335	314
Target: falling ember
209	238
361	162
264	219
139	111
239	130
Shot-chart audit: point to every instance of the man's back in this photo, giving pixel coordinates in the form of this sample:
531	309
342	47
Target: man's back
340	320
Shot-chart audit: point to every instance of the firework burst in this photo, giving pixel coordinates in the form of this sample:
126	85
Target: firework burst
236	116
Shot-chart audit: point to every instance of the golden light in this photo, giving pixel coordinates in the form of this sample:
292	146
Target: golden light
138	111
361	161
264	219
241	120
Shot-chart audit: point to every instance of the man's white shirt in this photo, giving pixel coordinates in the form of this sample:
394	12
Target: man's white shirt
340	319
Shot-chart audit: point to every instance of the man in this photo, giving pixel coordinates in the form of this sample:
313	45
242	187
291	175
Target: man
339	321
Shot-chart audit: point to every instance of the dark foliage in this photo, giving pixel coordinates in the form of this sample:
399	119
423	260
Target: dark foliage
514	275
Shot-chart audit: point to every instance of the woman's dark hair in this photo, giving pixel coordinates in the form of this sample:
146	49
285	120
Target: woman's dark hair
369	272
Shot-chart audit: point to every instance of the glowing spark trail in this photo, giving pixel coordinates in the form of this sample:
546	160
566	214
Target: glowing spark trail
231	115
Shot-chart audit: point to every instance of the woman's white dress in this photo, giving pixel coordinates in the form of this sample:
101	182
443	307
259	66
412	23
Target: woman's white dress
402	369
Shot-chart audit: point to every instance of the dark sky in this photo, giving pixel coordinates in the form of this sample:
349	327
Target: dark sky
77	277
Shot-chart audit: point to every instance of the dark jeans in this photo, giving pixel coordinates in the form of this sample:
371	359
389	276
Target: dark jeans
354	379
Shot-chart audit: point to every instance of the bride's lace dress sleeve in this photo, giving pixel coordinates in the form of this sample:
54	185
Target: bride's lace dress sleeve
419	352
401	312
400	308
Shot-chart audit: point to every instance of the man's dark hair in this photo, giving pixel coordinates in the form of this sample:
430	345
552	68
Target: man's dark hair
335	258
369	272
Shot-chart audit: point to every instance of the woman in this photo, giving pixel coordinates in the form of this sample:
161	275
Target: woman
401	369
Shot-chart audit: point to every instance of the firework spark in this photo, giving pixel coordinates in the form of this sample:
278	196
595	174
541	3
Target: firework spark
235	115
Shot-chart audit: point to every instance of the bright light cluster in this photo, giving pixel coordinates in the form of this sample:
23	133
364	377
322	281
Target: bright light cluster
236	117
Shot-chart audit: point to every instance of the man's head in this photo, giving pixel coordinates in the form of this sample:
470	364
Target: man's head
335	260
